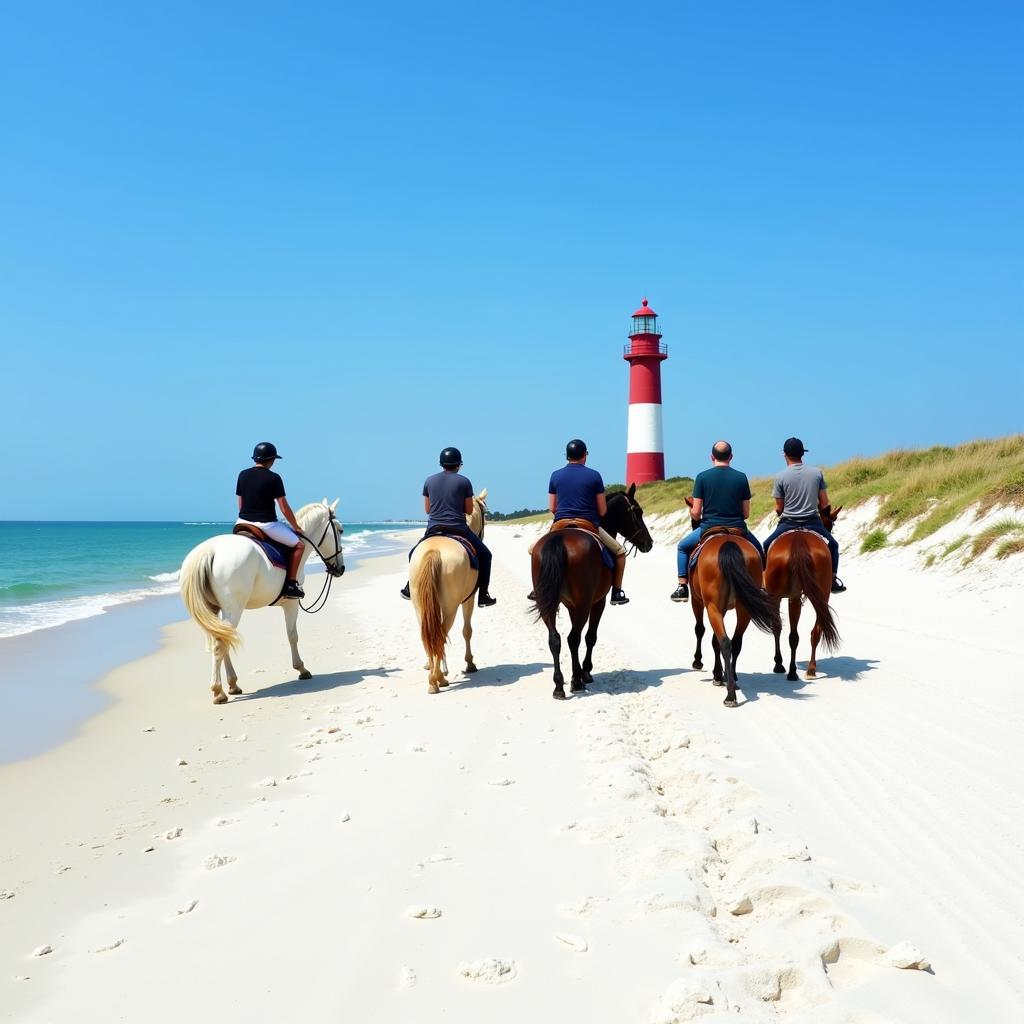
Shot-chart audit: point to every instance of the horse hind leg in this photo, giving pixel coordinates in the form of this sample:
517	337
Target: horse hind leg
231	675
794	637
812	665
221	656
579	620
717	675
591	640
467	633
291	623
698	630
555	646
777	635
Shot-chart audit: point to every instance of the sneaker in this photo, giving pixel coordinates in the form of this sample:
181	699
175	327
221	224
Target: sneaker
532	595
619	596
681	593
405	592
292	589
485	601
838	586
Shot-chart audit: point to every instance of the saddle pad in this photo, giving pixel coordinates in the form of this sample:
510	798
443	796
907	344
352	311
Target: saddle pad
474	562
606	556
276	556
719	531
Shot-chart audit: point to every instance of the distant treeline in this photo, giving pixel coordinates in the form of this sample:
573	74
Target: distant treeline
497	517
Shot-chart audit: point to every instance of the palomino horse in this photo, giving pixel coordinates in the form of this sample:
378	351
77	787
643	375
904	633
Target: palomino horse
728	576
227	574
440	580
799	563
568	569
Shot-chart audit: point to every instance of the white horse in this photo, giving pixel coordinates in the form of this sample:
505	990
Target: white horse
227	574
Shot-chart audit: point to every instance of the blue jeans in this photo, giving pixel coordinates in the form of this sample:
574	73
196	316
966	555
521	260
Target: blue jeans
684	549
813	523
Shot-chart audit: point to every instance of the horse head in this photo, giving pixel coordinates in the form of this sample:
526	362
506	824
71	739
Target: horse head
478	519
323	529
694	523
626	517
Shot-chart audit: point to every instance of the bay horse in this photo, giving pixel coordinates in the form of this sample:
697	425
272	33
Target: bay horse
799	564
568	569
441	580
728	577
228	573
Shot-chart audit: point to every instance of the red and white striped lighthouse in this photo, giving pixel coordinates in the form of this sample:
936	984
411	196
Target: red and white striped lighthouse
645	449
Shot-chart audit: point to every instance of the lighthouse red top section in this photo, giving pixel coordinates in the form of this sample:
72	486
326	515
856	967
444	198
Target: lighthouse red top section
645	342
645	310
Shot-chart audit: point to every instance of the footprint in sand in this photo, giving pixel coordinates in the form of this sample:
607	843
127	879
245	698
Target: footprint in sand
424	912
490	970
7	894
109	946
42	950
407	977
187	909
501	782
217	861
576	943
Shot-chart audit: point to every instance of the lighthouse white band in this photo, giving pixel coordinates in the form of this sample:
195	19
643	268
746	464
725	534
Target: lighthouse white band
644	433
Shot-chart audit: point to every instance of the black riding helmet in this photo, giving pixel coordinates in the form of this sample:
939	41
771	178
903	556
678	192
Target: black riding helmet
264	452
451	457
575	449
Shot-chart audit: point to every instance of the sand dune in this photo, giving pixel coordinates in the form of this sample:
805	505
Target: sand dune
353	848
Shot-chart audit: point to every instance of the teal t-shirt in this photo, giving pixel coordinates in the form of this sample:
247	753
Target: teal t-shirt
723	490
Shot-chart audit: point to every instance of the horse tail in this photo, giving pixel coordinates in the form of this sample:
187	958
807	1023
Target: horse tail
554	561
802	565
733	567
426	578
199	599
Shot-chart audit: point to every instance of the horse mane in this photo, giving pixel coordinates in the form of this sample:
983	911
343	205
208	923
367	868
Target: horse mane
307	510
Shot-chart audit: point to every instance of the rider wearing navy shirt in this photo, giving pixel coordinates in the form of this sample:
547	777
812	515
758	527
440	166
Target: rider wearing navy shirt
447	500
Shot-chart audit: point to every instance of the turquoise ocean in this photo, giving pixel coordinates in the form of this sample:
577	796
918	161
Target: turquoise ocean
53	573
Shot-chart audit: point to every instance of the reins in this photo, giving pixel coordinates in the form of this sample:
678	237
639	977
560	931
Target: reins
332	571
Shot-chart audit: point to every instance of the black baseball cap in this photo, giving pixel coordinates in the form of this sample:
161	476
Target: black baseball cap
794	447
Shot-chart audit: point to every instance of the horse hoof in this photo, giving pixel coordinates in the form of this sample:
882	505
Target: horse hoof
442	682
812	675
793	677
730	703
305	674
587	678
718	682
220	698
778	668
235	690
432	688
698	665
577	688
559	694
470	667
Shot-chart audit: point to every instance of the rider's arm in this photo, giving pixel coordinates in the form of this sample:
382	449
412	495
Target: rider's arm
286	511
823	501
468	507
602	505
780	505
426	505
239	503
696	508
552	503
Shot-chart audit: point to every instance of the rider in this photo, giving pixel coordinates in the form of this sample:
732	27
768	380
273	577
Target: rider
577	492
721	497
800	492
257	489
448	499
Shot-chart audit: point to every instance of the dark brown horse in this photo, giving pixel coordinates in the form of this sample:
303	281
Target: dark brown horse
728	577
799	564
568	569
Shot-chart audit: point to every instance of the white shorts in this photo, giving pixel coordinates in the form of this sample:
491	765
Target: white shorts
277	531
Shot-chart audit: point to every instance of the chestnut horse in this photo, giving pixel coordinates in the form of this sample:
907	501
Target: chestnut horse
568	569
728	577
799	564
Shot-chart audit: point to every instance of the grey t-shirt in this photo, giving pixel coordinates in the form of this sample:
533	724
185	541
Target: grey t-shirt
447	493
798	486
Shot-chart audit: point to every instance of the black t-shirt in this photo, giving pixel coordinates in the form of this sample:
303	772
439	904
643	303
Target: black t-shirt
258	488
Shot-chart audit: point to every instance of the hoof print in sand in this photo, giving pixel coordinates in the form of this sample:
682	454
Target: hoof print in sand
489	971
109	946
576	943
6	894
501	782
426	912
42	950
217	861
187	910
684	1000
407	977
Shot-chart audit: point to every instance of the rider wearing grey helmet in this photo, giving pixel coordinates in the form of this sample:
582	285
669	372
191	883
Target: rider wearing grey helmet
258	488
447	500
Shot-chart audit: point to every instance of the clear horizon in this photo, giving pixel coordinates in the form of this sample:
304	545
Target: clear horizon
368	234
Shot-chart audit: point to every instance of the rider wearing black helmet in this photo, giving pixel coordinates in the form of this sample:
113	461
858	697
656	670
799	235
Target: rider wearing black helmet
257	489
448	499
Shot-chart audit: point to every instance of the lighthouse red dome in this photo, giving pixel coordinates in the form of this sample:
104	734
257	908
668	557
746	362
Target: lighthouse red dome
645	310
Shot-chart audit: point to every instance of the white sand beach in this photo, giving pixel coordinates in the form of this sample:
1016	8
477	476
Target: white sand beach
352	848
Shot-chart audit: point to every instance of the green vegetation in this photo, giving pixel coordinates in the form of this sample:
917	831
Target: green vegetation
875	540
523	513
1009	528
956	545
1013	546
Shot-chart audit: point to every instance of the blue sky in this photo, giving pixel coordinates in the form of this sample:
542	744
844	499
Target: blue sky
365	234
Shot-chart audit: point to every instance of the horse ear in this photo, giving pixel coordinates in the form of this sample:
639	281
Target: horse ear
631	491
483	494
689	502
324	502
836	511
334	505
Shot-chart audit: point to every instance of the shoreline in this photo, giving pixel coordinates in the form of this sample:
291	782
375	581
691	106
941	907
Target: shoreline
53	676
601	847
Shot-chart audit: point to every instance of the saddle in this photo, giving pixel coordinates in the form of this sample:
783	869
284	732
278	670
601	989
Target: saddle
587	527
437	531
277	554
714	531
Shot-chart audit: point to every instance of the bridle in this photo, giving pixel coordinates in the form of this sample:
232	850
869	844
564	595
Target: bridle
638	527
333	569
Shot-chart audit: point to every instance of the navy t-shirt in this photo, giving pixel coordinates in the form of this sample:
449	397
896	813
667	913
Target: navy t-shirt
724	490
447	493
259	488
576	486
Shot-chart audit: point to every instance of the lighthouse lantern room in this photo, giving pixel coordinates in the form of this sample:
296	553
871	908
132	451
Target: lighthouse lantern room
645	352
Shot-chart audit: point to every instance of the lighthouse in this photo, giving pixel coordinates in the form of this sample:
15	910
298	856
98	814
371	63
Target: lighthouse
645	352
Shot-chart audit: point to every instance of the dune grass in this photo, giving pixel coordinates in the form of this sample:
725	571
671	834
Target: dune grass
1010	529
875	540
